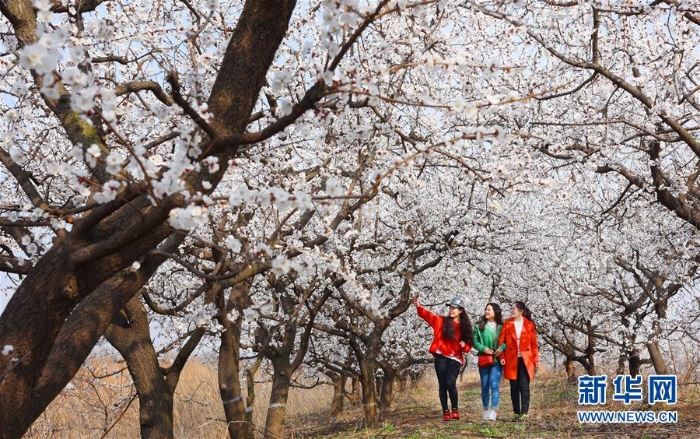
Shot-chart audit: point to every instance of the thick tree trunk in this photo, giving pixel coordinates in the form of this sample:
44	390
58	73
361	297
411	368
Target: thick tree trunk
655	354
368	367
277	409
76	338
369	400
129	334
369	403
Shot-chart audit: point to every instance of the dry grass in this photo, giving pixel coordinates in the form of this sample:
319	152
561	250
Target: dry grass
92	408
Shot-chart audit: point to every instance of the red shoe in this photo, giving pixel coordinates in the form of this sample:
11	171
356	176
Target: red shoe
446	416
455	414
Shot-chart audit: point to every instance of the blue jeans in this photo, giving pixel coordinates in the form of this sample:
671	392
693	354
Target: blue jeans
490	381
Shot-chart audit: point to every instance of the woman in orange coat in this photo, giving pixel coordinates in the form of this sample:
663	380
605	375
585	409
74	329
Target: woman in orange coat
520	358
452	337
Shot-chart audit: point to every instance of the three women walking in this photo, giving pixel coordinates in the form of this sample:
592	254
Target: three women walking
505	348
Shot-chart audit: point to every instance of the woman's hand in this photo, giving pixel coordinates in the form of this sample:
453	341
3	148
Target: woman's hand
414	301
498	352
503	361
462	344
488	351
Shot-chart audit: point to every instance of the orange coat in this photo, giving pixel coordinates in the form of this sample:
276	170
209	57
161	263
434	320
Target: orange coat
528	348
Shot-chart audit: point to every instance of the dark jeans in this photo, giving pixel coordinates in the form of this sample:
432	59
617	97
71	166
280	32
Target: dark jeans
520	390
447	371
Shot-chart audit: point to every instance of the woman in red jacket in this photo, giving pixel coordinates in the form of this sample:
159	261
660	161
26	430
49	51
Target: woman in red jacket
452	337
520	358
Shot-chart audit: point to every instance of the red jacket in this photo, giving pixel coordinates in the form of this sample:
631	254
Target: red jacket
528	348
441	346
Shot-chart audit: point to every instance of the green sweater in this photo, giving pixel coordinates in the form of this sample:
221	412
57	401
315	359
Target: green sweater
487	339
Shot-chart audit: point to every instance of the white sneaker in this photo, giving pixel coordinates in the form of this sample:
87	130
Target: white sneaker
486	416
492	415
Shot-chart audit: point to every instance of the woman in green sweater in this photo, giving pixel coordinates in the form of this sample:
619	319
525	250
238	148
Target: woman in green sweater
486	334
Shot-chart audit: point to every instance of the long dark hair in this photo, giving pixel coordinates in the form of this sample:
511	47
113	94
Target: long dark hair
524	309
498	316
465	327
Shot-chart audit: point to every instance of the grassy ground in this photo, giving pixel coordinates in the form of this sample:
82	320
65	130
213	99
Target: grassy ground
416	414
106	408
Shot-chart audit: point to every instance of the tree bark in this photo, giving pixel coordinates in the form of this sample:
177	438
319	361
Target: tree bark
277	409
130	335
635	364
657	358
76	337
230	386
354	397
338	381
229	382
569	368
386	397
590	364
368	367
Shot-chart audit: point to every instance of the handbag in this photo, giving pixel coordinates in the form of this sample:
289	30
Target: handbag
485	360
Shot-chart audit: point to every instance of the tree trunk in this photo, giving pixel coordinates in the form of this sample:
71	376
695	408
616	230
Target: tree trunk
337	405
591	368
229	382
277	409
404	381
369	401
129	334
657	358
250	386
368	368
569	367
621	363
655	354
635	364
77	336
386	396
356	389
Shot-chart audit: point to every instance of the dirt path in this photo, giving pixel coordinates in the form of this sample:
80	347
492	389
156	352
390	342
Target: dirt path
553	410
